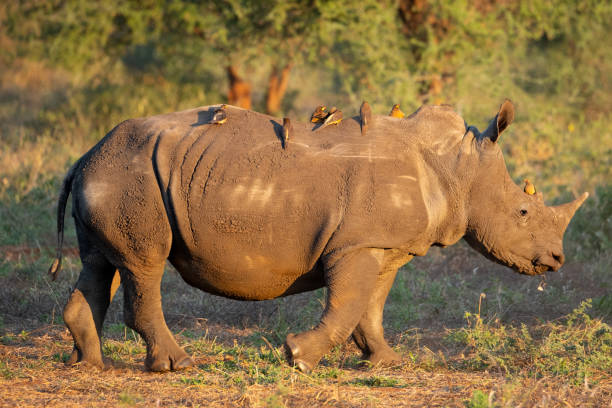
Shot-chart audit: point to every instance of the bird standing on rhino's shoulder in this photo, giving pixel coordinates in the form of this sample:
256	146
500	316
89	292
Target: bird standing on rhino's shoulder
219	116
396	112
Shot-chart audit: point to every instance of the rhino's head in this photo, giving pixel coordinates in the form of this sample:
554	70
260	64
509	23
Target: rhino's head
505	223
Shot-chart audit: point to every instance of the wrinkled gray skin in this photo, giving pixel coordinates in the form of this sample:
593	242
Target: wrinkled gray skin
239	216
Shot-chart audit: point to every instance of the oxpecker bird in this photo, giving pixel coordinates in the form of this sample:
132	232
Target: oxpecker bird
287	130
219	116
365	114
529	187
319	114
333	118
396	112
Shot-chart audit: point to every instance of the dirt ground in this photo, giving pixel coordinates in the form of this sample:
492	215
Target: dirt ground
238	345
42	380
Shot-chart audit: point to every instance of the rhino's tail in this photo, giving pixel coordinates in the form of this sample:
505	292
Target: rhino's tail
61	210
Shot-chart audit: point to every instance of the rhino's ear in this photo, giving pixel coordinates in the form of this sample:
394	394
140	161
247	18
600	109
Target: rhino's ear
502	120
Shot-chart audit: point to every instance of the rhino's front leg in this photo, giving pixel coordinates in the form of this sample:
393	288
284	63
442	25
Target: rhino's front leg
369	333
351	280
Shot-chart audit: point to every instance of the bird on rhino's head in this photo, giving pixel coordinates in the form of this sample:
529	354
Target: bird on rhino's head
506	223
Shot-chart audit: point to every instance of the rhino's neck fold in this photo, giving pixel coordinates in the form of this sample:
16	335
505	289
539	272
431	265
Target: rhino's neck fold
447	205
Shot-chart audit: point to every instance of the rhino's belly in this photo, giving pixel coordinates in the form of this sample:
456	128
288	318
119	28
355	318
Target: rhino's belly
247	277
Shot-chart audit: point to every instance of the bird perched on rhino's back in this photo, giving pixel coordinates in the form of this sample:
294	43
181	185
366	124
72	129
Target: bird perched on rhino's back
333	118
219	116
396	112
287	129
319	114
365	114
529	187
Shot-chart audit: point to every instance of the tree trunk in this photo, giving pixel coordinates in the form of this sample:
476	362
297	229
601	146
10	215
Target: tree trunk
239	90
277	85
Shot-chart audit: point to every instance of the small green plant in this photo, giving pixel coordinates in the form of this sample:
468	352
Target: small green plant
117	350
197	380
126	398
328	372
276	400
479	400
5	371
7	339
603	305
61	357
377	381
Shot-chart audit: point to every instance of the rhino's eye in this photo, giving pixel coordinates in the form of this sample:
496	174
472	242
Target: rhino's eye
523	212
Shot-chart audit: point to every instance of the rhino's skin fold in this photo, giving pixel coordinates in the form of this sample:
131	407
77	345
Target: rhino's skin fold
241	217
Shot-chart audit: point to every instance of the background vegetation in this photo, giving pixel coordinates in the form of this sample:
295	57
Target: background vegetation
70	70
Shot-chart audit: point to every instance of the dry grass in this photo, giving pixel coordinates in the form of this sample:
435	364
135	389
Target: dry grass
32	375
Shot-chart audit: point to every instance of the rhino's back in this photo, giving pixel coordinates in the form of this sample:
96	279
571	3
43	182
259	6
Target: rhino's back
238	203
234	184
241	201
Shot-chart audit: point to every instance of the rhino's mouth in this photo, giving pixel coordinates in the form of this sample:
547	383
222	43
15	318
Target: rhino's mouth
548	262
528	269
539	265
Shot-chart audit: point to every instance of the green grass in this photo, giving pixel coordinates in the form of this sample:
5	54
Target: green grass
5	371
575	348
129	399
479	400
377	381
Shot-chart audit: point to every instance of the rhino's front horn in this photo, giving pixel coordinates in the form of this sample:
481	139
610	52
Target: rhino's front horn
566	211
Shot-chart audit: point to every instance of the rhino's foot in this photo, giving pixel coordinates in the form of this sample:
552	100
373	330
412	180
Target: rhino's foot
301	353
161	362
84	361
383	357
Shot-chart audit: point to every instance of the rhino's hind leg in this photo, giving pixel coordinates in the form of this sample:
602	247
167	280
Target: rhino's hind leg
143	313
351	281
369	333
85	311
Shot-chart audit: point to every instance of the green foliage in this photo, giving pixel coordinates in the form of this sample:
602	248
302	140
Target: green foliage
127	398
377	381
479	400
276	400
118	350
61	357
603	305
5	371
578	348
73	70
18	204
242	365
590	231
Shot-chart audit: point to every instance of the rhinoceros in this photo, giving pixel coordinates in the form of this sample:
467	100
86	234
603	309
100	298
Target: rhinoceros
242	216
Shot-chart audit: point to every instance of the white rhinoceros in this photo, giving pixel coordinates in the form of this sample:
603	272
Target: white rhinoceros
242	217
